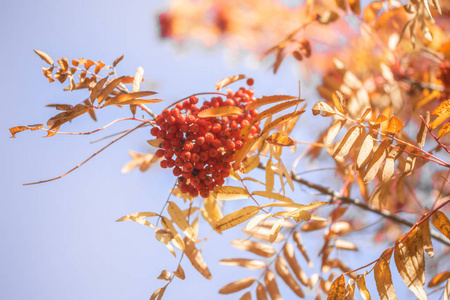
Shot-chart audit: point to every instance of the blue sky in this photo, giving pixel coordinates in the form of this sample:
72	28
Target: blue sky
59	239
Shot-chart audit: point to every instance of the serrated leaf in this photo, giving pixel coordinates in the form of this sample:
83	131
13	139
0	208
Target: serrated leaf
271	285
347	141
236	218
383	278
178	217
256	220
323	109
230	193
237	285
251	264
337	289
196	258
229	80
409	259
44	56
268	100
282	270
441	222
439	278
361	283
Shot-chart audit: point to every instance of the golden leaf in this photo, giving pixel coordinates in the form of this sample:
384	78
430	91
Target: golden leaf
262	233
315	225
271	285
249	164
67	116
282	270
347	141
371	11
165	275
236	217
256	220
272	195
281	120
427	244
334	130
355	6
164	236
117	60
361	282
443	112
179	219
18	129
220	111
108	89
137	101
158	293
251	264
289	254
383	278
137	215
376	161
260	249
230	193
176	240
229	80
261	292
298	240
239	156
179	273
237	286
389	165
279	139
268	100
441	222
439	278
275	109
270	174
275	230
395	125
444	130
123	99
323	109
196	258
337	289
341	244
339	102
44	56
409	259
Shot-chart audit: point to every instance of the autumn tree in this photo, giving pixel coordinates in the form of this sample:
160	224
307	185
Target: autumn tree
385	87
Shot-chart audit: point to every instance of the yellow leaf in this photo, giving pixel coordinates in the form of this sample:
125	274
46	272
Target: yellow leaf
268	100
439	278
371	11
323	109
364	152
347	141
229	80
383	278
270	174
272	195
236	217
271	285
177	240
276	109
444	130
237	286
337	289
196	258
409	259
280	140
123	99
361	282
137	101
230	193
239	156
282	270
256	220
395	125
251	264
339	102
44	56
281	120
289	254
441	222
249	164
164	236
443	112
179	273
260	249
220	111
179	219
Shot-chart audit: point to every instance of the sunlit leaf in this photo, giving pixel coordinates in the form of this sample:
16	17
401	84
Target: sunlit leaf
165	275
44	56
268	100
261	292
230	193
271	285
282	270
18	129
337	289
323	109
271	195
361	282
347	141
179	273
260	249
439	278
395	125
237	286
256	220
179	219
251	264
281	120
289	254
236	217
443	112
383	278
196	258
229	80
441	222
280	140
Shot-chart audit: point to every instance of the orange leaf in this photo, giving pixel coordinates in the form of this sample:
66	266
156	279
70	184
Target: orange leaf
220	111
441	222
236	218
18	129
279	139
251	264
337	289
196	258
395	125
237	286
44	56
229	80
268	100
439	278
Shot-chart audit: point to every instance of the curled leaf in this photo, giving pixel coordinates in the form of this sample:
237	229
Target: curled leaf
229	80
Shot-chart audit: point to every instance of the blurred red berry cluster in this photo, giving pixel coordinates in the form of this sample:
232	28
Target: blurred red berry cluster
201	150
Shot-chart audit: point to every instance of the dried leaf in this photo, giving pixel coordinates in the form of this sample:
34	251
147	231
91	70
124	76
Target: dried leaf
196	258
282	270
158	293
177	240
383	278
99	66
179	219
18	129
249	164
327	17
237	286
281	120
426	235
339	102
262	234
355	6
230	193
123	99
229	80
271	285
323	109
165	275
96	90
298	240
371	11
277	108
155	142
89	63
270	174
44	56
251	264
389	165
443	112
334	130
361	282
260	249
117	60
137	215
271	195
441	222
337	289
236	218
395	125
409	259
239	156
261	292
109	88
376	161
279	139
268	100
347	141
275	230
289	254
444	130
346	245
439	278
256	220
422	134
179	273
67	116
314	225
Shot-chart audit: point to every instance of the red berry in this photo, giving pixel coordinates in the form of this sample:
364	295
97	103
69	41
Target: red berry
230	145
200	140
154	131
177	171
193	100
250	81
209	137
195	157
188	146
188	167
204	193
170	163
163	164
159	153
186	155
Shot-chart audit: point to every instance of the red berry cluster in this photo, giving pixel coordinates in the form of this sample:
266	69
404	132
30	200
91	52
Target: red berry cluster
201	150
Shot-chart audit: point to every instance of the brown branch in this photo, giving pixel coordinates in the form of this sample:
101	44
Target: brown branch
335	196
